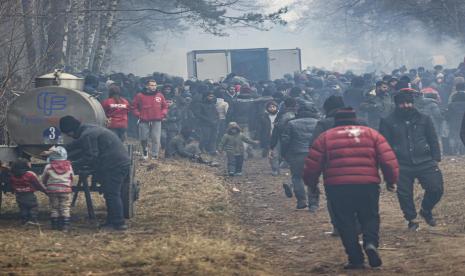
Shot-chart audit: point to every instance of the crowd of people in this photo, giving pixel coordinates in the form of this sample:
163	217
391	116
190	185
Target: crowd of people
314	122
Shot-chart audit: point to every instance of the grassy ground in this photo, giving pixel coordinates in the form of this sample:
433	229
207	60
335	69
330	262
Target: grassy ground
184	225
191	220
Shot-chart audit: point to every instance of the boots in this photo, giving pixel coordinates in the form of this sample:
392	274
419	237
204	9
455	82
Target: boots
54	223
63	224
66	224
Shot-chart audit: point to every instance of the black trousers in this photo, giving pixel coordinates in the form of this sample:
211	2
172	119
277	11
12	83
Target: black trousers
112	182
431	181
28	206
121	132
208	138
351	203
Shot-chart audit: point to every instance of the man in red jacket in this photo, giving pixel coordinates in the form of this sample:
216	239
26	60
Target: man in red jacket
349	155
150	107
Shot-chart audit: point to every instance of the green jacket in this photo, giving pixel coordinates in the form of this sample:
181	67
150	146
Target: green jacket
234	144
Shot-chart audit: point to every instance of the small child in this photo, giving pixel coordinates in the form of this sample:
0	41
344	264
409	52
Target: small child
58	179
233	143
24	183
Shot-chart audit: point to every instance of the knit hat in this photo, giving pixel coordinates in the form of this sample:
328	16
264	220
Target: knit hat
69	123
58	153
404	97
346	114
333	102
403	84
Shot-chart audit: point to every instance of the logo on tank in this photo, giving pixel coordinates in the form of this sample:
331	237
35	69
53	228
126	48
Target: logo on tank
49	102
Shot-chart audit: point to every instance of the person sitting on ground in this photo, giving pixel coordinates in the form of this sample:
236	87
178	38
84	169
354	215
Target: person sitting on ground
184	145
25	183
233	143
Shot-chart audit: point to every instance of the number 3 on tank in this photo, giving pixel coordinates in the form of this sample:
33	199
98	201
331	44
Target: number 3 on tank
52	135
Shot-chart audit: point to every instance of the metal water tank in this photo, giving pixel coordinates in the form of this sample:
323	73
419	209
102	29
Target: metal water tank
61	79
33	117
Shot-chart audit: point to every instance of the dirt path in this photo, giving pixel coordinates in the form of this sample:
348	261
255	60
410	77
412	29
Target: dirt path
295	241
192	220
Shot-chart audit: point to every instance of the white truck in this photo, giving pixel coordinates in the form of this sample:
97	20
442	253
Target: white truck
255	64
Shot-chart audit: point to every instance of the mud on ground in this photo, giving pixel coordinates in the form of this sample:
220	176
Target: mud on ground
295	240
193	220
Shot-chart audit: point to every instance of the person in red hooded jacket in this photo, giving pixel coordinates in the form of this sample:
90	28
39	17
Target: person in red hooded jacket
57	177
116	109
349	156
150	107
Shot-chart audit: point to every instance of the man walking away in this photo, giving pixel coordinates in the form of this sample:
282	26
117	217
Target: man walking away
349	156
294	146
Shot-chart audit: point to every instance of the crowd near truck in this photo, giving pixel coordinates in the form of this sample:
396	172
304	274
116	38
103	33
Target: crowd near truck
255	64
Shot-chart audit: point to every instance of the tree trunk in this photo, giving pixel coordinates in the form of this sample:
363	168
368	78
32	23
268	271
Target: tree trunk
107	57
90	32
75	37
105	33
40	35
27	6
56	34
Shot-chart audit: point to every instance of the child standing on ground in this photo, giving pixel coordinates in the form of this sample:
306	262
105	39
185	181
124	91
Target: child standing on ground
58	179
25	183
233	144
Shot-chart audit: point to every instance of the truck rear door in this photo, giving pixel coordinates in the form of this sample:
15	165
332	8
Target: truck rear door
285	61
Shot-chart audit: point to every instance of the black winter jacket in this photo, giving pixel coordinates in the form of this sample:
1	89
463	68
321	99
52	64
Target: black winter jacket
241	111
99	148
322	126
279	125
297	134
454	114
263	133
206	114
414	141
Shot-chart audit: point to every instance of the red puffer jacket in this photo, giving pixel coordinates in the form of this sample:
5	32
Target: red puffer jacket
117	112
350	155
150	107
26	183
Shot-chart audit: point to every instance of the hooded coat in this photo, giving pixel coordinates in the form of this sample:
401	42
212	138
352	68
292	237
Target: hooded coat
149	106
58	176
233	143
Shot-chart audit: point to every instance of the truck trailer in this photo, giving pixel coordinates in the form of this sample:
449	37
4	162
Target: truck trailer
254	64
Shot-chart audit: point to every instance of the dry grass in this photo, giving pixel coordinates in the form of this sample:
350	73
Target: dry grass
185	225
